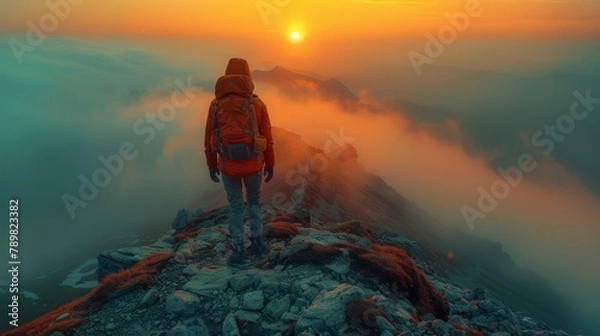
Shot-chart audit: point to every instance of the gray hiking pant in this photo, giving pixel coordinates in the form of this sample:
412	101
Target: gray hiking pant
233	187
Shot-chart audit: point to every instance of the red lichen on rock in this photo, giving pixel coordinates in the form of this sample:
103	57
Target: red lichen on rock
70	323
469	332
313	254
393	265
289	218
188	232
282	230
139	274
355	228
203	216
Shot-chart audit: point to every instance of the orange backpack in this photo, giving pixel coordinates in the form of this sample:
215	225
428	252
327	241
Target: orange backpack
235	130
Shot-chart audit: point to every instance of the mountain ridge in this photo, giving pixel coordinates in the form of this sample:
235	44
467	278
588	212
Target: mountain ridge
368	259
336	280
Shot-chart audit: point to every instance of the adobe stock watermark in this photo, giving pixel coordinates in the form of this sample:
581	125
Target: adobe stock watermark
545	138
145	128
309	170
436	45
47	24
266	8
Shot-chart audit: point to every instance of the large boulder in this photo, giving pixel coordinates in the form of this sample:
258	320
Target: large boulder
182	303
192	327
183	217
113	261
276	307
327	311
208	280
212	236
230	327
254	300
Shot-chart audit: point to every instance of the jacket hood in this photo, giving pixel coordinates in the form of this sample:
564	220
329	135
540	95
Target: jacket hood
234	84
237	79
238	66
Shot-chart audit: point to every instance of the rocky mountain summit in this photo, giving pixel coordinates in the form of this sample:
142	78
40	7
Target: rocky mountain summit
317	279
346	255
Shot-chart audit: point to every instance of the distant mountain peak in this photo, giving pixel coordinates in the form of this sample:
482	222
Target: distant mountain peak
297	86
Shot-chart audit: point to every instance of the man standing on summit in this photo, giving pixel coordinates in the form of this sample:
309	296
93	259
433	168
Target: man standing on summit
238	143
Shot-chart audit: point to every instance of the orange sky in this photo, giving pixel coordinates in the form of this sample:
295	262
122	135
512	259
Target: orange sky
323	19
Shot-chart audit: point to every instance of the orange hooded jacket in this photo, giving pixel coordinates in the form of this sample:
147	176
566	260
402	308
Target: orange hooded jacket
238	81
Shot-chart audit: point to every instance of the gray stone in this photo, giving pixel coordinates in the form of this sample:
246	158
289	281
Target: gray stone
460	309
310	293
276	327
305	324
242	281
478	293
113	261
288	316
301	303
327	310
183	217
166	240
234	302
182	303
230	327
412	247
212	236
201	244
456	332
487	306
150	297
191	327
307	281
451	296
428	317
275	308
339	265
57	333
247	315
306	333
291	249
440	328
326	284
274	287
253	300
356	240
208	280
220	248
191	270
317	237
189	247
384	324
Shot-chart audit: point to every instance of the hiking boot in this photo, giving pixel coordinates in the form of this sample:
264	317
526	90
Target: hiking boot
257	247
237	256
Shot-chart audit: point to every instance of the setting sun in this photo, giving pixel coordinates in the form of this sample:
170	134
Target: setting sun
295	36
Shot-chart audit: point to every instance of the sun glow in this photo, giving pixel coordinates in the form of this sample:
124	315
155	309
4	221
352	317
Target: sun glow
295	36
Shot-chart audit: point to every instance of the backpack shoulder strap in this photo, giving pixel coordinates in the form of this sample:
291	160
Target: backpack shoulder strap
215	114
216	124
253	119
